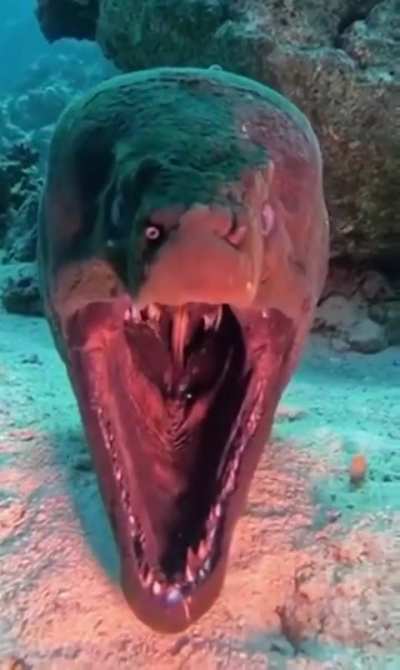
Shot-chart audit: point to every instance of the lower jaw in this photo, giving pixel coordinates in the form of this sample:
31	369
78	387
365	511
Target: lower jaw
163	617
151	610
174	618
148	608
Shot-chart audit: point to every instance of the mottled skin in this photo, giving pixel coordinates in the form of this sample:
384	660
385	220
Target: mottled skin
177	191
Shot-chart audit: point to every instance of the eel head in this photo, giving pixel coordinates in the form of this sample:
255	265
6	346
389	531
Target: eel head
177	375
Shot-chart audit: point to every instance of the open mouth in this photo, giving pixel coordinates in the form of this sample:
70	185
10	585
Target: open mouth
177	403
195	358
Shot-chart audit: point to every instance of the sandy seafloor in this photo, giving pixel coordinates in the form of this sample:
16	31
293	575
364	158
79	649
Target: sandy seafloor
325	552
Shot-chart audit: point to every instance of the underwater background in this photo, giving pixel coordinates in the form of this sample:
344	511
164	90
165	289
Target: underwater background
314	576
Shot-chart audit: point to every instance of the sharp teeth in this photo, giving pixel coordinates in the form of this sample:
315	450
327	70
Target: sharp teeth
156	588
213	319
192	559
154	312
124	496
209	320
148	579
136	316
180	326
230	483
132	314
218	510
202	551
189	574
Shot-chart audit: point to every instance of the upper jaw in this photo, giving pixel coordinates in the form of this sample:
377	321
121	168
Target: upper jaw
213	254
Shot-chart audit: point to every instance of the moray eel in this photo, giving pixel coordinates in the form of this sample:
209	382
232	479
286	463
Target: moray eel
183	247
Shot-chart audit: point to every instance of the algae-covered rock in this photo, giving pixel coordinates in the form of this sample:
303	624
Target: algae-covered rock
367	337
21	235
20	293
18	175
19	178
342	67
19	181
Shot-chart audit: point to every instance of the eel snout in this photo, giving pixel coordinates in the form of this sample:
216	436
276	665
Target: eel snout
213	256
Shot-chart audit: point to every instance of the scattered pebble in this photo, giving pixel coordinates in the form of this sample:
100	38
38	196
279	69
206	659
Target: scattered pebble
367	337
285	413
358	468
32	359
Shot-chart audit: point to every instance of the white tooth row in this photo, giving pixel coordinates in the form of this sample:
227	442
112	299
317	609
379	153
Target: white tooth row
233	466
135	315
213	319
132	314
109	441
191	577
231	479
198	564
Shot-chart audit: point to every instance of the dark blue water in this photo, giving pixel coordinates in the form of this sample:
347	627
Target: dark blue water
38	79
22	44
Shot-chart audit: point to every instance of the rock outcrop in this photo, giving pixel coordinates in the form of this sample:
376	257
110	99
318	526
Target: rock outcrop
20	293
19	180
359	311
28	113
342	67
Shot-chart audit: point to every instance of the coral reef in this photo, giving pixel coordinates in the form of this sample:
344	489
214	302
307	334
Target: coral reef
359	310
20	293
21	235
341	67
19	181
29	111
18	175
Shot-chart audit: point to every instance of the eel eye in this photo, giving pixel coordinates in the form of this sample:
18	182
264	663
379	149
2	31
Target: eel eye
154	233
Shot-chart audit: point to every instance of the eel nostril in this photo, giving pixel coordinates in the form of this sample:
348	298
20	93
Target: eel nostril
236	232
237	235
